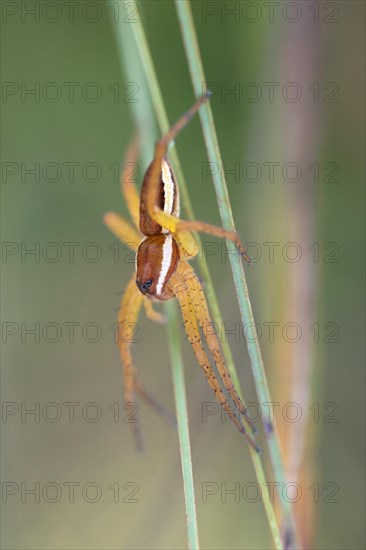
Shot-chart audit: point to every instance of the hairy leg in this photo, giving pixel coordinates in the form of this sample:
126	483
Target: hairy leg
131	303
182	293
128	187
122	230
127	319
203	316
153	315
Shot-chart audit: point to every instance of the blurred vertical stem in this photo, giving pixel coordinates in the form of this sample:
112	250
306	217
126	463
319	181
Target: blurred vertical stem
157	100
213	152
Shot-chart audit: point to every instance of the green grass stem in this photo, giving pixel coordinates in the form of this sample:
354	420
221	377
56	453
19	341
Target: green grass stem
182	419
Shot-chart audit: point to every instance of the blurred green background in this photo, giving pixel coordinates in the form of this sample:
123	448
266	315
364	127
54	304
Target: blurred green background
137	501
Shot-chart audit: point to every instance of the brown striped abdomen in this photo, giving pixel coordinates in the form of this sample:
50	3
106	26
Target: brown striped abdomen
167	199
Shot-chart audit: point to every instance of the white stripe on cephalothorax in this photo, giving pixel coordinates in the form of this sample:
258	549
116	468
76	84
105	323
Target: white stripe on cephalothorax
165	262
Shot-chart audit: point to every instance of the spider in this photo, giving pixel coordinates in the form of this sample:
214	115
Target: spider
166	245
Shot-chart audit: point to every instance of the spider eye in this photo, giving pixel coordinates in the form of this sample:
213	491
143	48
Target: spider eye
145	286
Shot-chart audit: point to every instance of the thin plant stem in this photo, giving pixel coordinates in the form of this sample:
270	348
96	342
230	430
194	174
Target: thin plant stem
213	152
182	418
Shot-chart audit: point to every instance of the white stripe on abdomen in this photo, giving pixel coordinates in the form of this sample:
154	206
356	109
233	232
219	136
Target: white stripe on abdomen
168	187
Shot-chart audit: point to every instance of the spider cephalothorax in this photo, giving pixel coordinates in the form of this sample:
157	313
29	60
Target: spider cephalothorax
157	260
165	245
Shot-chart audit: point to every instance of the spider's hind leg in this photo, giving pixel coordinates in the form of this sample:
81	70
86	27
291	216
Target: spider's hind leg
204	319
188	311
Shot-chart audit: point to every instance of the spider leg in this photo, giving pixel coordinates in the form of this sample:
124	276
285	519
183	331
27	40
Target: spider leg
192	225
153	315
181	229
122	230
157	407
127	318
161	149
203	316
182	293
128	187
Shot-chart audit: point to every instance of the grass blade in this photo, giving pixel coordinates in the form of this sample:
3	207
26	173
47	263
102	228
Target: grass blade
182	418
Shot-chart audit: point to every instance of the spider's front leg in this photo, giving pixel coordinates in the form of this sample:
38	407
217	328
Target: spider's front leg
127	322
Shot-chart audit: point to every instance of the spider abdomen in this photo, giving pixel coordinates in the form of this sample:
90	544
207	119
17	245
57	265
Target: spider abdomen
167	199
157	260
